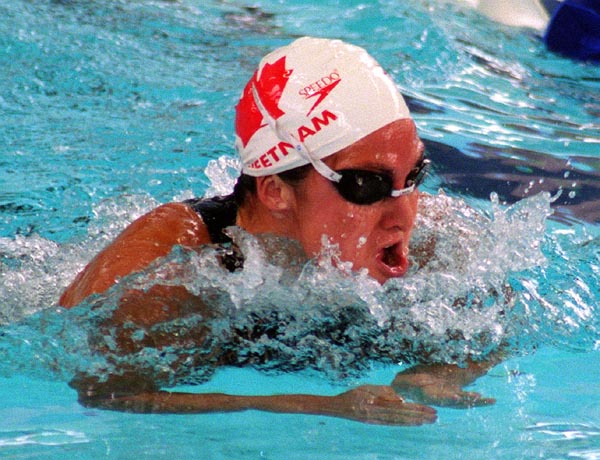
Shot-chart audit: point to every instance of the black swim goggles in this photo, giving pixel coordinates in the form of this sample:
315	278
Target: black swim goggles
360	186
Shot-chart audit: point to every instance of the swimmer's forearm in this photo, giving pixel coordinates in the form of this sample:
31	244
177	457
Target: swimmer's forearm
370	404
190	403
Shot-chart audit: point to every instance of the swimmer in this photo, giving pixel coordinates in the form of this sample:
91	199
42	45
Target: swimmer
328	147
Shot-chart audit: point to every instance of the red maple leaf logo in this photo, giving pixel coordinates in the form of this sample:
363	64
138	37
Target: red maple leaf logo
270	87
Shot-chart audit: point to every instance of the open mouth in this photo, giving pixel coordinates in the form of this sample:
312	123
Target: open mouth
393	260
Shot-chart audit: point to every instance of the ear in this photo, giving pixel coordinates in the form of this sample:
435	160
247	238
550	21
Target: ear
274	193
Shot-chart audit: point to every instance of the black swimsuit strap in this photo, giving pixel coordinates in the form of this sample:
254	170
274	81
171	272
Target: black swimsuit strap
218	213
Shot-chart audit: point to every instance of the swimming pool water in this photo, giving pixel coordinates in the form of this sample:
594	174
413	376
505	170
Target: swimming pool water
108	109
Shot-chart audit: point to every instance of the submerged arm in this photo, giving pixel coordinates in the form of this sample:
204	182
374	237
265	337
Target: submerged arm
368	403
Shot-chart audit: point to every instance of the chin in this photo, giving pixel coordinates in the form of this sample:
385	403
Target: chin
379	277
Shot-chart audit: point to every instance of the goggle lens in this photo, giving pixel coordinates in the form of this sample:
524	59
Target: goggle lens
365	187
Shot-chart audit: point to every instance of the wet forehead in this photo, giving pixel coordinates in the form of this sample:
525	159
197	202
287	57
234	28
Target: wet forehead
393	146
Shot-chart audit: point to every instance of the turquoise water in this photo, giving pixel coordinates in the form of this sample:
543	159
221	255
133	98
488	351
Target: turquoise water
111	108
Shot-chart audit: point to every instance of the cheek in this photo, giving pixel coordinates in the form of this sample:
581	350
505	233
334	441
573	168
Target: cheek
336	223
353	228
415	206
345	227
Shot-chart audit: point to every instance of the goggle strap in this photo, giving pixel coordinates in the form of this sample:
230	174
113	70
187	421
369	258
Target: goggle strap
319	166
325	170
261	108
402	192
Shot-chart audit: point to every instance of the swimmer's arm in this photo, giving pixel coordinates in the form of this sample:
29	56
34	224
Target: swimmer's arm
151	236
442	384
368	404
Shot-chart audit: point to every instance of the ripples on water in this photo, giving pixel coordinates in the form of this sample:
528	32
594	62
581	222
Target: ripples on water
81	122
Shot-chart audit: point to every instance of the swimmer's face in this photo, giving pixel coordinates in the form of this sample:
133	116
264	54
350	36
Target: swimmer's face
373	236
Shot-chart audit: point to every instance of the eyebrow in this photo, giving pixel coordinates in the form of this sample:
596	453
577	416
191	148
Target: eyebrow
377	168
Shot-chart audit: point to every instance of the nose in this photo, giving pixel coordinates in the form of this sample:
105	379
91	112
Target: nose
400	213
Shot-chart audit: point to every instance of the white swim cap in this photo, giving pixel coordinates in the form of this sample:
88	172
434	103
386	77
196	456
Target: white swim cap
309	100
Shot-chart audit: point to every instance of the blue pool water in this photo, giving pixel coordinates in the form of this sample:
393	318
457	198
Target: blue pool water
110	108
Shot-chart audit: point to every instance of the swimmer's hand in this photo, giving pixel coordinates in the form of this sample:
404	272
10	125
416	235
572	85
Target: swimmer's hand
381	405
442	385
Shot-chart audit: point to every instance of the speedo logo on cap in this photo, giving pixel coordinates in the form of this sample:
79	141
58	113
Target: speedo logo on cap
320	89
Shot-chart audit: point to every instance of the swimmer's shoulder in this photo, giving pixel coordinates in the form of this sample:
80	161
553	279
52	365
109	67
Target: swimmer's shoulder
169	225
149	237
156	232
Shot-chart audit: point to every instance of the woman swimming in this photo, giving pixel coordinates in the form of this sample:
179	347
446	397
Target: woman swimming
329	149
